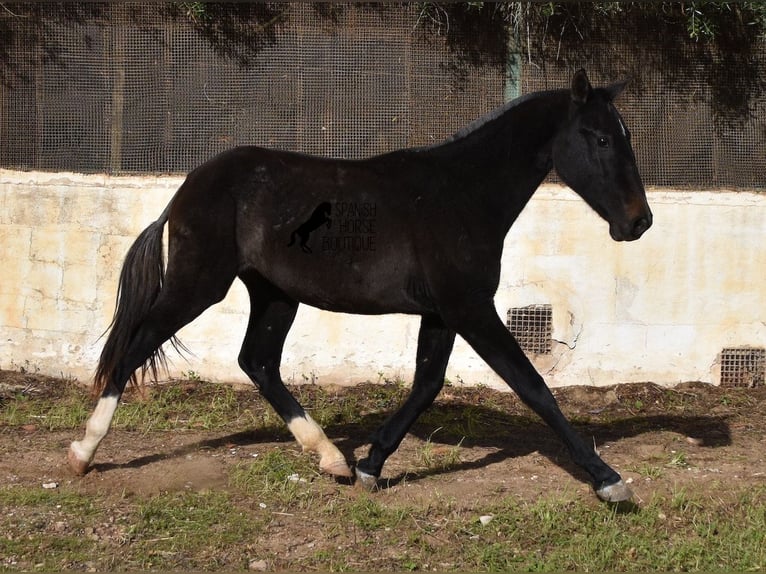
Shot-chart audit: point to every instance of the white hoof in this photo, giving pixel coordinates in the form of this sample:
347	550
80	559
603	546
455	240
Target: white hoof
368	481
617	492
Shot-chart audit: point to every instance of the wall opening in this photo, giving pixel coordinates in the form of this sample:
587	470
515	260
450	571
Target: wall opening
532	326
743	367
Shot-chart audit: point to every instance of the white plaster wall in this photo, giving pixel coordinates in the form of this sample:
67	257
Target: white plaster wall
659	309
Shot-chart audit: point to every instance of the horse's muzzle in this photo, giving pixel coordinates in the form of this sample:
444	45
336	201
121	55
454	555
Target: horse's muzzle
635	229
641	224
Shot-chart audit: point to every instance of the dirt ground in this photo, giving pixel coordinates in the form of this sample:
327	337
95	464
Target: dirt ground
694	436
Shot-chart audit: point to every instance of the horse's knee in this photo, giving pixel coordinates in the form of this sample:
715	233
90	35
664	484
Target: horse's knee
254	367
245	363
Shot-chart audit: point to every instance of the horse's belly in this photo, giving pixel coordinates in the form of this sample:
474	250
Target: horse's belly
355	283
351	264
346	290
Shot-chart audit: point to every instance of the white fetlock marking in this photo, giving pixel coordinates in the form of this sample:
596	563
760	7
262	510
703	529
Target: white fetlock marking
307	432
312	438
96	429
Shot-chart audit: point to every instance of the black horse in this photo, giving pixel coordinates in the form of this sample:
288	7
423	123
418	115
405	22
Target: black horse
440	216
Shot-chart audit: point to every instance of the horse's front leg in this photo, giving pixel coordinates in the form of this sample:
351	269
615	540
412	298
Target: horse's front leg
434	347
481	327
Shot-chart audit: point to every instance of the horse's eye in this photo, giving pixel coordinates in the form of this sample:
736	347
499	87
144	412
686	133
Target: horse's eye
603	142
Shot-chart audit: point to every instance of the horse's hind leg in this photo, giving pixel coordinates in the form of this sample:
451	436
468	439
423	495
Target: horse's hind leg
271	316
434	348
81	452
189	289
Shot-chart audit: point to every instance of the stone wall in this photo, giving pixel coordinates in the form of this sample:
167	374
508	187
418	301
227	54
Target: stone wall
660	309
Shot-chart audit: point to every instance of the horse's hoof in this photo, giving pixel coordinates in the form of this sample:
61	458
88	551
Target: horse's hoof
337	468
78	466
617	492
367	481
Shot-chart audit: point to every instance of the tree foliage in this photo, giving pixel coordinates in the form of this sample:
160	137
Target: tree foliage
707	20
720	45
681	42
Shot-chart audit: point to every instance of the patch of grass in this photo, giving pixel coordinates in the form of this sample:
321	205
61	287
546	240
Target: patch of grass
198	405
467	421
678	460
682	533
177	407
69	410
372	532
436	457
736	399
58	529
353	530
652	472
192	375
280	480
189	530
49	499
369	513
47	529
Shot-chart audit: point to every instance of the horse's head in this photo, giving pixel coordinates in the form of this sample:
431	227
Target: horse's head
592	155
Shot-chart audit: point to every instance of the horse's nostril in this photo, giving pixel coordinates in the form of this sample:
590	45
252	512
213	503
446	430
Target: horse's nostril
640	225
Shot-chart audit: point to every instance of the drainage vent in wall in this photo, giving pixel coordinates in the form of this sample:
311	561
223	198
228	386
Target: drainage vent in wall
743	367
532	327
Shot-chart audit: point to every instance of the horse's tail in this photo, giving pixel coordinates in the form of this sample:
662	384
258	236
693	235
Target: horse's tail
292	239
141	279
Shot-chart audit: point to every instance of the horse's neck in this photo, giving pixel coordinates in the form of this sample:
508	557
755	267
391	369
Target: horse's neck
507	157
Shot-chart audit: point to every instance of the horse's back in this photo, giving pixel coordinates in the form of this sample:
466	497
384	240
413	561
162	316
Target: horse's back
336	234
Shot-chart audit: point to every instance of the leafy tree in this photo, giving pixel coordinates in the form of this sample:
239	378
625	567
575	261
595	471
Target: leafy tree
719	45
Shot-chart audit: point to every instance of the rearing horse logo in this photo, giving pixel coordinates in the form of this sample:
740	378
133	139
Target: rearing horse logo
320	217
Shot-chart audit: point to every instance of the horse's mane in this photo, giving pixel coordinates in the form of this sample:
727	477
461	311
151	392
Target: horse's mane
488	118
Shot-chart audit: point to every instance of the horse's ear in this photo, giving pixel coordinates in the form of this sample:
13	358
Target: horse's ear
616	89
581	88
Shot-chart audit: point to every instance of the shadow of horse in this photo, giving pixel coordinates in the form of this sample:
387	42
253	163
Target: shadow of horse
511	436
507	435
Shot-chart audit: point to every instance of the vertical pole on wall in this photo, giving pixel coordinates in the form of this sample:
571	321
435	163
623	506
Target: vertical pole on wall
116	27
37	145
512	87
167	156
301	22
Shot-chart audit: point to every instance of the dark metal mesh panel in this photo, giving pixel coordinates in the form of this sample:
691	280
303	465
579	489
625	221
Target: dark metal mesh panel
156	97
148	93
532	327
743	367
